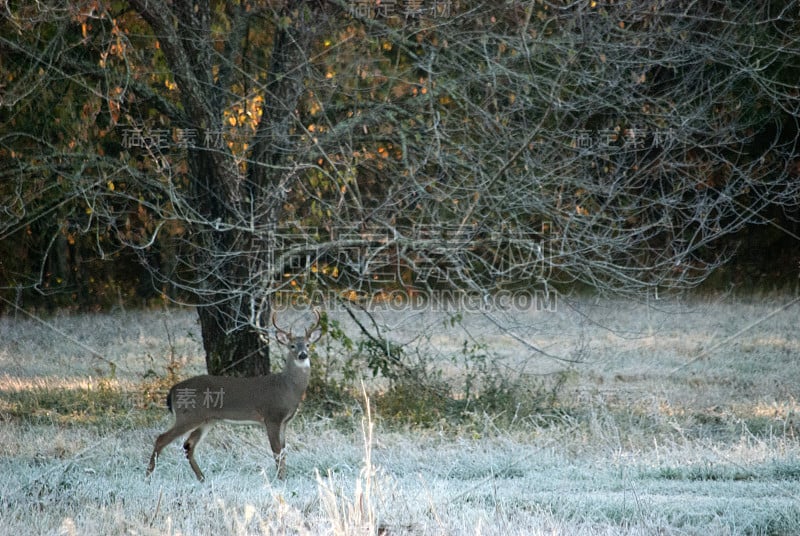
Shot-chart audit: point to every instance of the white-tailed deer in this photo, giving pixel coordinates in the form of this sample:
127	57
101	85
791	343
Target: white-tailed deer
271	401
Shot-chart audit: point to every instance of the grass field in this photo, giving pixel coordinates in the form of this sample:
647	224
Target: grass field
680	419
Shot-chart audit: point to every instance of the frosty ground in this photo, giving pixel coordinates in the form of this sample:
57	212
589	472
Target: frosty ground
678	419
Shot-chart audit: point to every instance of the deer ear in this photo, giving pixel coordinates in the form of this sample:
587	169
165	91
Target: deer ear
282	338
315	335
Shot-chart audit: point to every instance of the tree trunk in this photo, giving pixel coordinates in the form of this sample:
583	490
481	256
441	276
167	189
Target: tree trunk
231	351
224	260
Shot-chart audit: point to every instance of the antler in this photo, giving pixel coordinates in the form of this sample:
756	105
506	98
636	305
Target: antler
310	330
287	334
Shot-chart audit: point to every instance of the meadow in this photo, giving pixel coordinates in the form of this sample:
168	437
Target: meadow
679	417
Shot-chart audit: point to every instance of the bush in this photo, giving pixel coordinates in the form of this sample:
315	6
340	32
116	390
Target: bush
418	393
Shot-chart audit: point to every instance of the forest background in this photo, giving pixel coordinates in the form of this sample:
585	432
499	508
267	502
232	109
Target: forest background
214	153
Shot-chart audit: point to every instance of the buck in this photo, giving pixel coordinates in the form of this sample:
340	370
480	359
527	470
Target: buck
271	401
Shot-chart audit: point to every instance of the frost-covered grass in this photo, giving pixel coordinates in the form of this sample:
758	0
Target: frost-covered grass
678	421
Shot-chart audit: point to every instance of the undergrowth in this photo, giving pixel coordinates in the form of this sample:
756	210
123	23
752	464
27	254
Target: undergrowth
403	390
102	403
412	390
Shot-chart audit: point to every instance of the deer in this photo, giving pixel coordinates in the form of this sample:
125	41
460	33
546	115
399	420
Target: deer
270	401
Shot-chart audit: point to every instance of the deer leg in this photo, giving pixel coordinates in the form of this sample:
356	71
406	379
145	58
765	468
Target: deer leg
276	444
165	439
282	439
188	447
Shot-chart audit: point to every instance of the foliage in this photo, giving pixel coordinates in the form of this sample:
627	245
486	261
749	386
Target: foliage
332	379
418	393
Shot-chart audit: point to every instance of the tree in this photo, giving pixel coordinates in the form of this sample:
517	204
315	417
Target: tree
208	202
246	150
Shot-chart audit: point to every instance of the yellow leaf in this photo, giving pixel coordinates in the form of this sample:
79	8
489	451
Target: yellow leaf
111	185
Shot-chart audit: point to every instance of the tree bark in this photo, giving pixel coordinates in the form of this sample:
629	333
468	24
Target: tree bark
234	352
